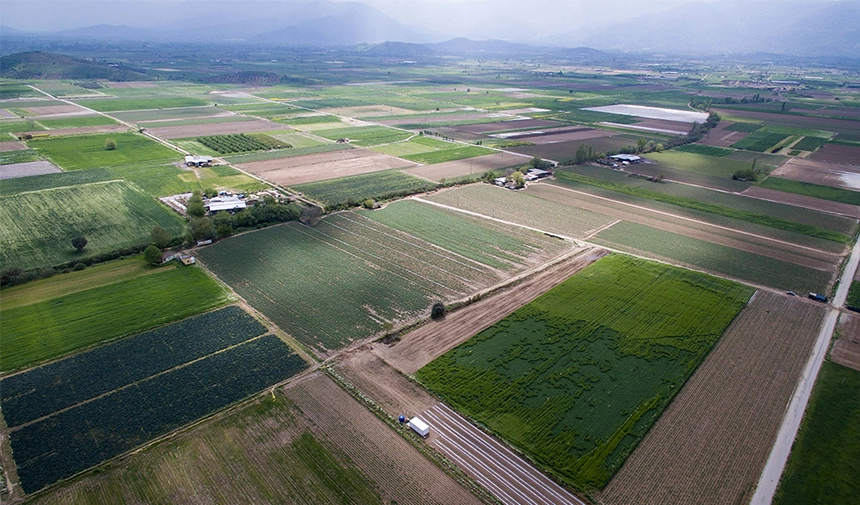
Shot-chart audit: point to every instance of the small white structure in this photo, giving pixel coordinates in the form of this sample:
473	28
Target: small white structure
198	161
500	181
225	203
629	158
419	426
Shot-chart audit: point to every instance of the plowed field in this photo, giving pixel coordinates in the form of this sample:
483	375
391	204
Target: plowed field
178	132
846	350
819	172
473	166
712	442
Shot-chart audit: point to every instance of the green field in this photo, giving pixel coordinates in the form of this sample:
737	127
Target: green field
720	259
699	162
576	378
441	156
809	143
353	190
760	141
703	149
286	153
853	299
48	181
825	458
77	152
57	326
76	122
485	241
126	104
813	190
366	136
110	215
310	120
14	125
10	157
744	127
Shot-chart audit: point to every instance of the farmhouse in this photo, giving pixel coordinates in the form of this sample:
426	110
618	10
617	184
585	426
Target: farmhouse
629	158
224	203
198	161
536	173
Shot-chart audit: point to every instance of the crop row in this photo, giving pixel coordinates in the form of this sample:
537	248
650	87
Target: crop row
760	141
366	135
45	390
577	377
49	181
351	191
241	143
76	439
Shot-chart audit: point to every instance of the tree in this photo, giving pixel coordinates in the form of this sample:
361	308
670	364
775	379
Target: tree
640	145
152	255
160	237
539	163
437	311
195	207
110	144
79	243
518	178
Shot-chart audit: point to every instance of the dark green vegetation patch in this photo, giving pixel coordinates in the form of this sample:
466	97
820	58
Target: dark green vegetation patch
58	180
576	378
760	141
814	190
113	105
88	151
62	445
242	143
353	190
706	150
809	144
853	299
825	458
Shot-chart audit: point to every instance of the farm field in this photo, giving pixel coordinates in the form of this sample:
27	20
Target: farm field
273	452
537	213
684	116
13	156
825	457
846	350
699	163
366	136
76	122
130	104
712	257
142	116
110	215
446	155
58	446
742	388
805	195
88	313
415	145
471	167
88	151
487	242
285	153
835	153
57	180
809	189
375	277
355	189
320	165
567	150
241	143
221	128
577	389
818	172
18	170
761	141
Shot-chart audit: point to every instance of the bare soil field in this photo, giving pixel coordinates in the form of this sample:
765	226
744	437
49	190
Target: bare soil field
83	130
460	168
507	125
368	111
835	153
846	350
720	137
712	442
402	474
435	338
808	202
791	253
567	149
434	118
554	137
12	146
664	125
178	132
318	167
819	172
55	109
17	170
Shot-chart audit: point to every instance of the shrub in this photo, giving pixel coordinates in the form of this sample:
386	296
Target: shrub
110	144
437	311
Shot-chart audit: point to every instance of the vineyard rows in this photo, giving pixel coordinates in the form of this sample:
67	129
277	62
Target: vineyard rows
353	190
242	143
576	378
61	384
73	440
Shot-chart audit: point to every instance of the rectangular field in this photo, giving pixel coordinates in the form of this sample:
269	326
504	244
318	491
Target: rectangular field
113	105
355	189
577	377
69	320
366	136
185	131
60	445
824	459
811	190
76	122
760	141
719	167
441	156
329	164
88	151
711	444
29	169
818	172
468	167
57	180
835	153
110	215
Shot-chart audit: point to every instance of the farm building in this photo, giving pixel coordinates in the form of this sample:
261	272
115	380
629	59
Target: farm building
224	203
536	173
198	161
169	256
629	158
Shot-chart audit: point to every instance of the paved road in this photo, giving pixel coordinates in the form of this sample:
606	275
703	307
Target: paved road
778	458
505	474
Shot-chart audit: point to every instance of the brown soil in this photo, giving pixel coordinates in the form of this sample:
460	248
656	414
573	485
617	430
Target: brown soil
12	146
567	149
434	118
507	125
819	172
54	109
758	245
435	338
711	444
808	202
460	168
720	137
178	132
664	124
846	350
17	170
401	472
835	153
318	167
111	128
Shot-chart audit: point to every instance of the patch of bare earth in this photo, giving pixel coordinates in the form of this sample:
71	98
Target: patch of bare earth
82	130
368	111
435	338
711	444
401	472
433	118
16	170
47	110
322	166
720	137
12	146
808	202
468	166
185	131
836	153
819	172
507	125
846	350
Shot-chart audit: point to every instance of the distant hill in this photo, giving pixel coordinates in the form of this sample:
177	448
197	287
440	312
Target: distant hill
41	65
397	50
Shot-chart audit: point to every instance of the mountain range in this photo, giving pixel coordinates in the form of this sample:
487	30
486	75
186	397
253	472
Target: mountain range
725	27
